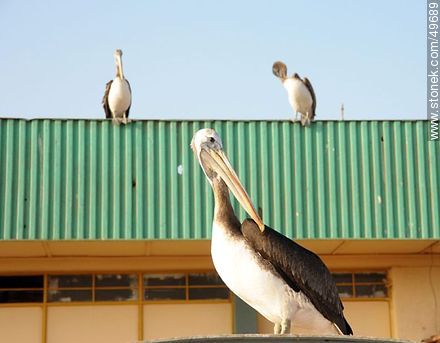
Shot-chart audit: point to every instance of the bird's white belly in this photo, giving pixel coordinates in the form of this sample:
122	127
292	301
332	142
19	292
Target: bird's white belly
299	96
119	97
241	269
237	265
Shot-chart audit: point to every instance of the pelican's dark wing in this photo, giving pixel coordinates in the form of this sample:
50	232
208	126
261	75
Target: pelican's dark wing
128	109
312	93
301	269
108	113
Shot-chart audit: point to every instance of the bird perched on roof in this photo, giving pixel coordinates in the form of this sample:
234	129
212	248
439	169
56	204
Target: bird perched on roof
117	96
300	91
276	276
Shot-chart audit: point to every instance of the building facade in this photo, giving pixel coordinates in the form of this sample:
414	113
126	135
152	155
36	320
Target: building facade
104	229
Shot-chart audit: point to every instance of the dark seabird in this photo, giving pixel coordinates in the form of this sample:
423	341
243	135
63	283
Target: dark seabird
280	279
300	91
117	96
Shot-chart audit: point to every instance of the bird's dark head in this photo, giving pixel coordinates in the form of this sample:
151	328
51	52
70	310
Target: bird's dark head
279	69
208	149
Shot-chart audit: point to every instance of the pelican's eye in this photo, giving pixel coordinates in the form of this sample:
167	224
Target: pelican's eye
212	140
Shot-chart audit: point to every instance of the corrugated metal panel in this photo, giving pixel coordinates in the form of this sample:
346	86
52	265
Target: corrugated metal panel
77	179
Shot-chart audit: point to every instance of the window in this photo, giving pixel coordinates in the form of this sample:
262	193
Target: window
184	286
21	289
68	288
116	287
92	287
95	288
362	285
206	286
165	287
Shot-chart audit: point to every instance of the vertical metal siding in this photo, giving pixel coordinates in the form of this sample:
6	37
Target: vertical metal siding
76	179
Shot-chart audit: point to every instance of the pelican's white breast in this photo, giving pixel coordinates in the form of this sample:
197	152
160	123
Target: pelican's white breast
243	270
299	96
119	97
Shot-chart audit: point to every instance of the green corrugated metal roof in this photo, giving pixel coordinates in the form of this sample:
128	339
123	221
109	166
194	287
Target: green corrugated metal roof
78	179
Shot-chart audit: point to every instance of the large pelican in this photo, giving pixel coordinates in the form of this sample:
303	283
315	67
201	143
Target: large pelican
117	96
277	277
300	91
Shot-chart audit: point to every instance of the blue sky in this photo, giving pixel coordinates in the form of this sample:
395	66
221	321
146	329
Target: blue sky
213	59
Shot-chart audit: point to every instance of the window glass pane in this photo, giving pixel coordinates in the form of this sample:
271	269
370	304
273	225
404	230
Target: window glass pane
205	279
69	281
115	294
21	296
345	291
25	281
164	279
371	291
165	294
370	277
116	280
208	293
342	277
69	295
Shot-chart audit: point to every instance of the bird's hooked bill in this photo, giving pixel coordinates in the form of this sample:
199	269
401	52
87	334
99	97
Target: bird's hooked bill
220	164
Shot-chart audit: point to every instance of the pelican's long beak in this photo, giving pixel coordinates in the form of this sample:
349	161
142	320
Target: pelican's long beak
220	164
119	66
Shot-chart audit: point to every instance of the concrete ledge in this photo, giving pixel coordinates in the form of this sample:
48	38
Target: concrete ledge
255	338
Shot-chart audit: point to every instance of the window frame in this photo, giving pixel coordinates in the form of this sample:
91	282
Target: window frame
387	283
187	288
139	287
93	288
33	289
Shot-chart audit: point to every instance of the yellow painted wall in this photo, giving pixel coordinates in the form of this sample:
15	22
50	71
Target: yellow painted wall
172	320
369	318
20	324
97	324
416	301
414	305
